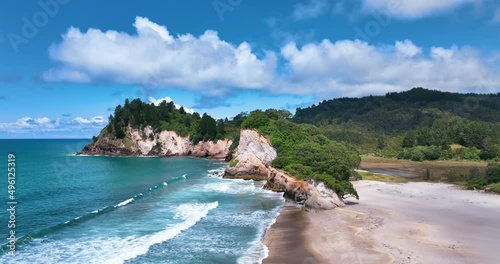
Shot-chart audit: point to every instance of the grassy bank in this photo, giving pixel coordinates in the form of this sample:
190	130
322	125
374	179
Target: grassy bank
370	176
461	173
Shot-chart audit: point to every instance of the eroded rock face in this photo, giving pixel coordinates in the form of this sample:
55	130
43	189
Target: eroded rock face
253	157
148	143
252	161
252	142
309	193
322	197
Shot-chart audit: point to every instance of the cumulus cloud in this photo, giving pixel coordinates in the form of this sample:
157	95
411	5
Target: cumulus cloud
217	69
31	125
310	9
355	68
153	57
415	9
158	101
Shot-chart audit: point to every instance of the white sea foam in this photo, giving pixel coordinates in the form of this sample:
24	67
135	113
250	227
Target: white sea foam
258	251
184	176
230	187
112	249
132	247
219	172
124	202
165	184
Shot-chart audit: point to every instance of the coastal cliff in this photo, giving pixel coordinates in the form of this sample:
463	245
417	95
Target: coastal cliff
148	143
252	158
252	161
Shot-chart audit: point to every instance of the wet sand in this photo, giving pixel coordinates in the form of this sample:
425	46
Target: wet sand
394	223
285	239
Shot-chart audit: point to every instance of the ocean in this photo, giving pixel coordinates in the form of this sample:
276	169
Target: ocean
82	209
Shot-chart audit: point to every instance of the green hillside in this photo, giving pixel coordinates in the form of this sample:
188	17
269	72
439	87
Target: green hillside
419	124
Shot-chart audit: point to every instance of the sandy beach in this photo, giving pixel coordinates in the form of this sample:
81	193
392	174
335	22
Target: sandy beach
393	223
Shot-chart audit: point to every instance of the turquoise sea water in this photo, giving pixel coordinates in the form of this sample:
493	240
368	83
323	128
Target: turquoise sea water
81	209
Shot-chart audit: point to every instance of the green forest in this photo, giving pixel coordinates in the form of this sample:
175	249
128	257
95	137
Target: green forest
418	125
165	116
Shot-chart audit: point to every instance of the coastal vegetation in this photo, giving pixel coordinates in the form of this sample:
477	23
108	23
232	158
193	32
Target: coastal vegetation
325	141
418	125
370	176
165	116
305	152
479	175
302	149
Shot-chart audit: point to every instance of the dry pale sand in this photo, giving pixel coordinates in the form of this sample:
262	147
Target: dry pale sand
404	223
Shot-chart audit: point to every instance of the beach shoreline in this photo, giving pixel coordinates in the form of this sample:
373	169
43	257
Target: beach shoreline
392	223
286	236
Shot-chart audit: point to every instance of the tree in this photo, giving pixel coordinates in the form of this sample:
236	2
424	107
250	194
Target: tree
257	119
409	139
207	129
278	114
490	152
221	129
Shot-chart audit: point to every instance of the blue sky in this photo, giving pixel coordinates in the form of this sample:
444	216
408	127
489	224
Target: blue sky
67	63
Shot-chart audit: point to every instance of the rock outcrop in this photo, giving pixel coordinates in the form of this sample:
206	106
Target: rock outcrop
147	143
310	193
252	158
252	161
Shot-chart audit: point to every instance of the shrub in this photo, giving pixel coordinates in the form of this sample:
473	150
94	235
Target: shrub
471	154
476	183
233	162
157	147
235	144
493	173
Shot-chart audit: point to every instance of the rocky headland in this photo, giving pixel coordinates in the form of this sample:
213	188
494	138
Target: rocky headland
148	143
252	161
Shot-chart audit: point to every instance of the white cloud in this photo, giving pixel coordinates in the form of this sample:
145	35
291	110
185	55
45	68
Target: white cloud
156	58
93	120
28	125
311	9
158	101
81	120
215	68
355	68
407	48
408	9
34	125
99	120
